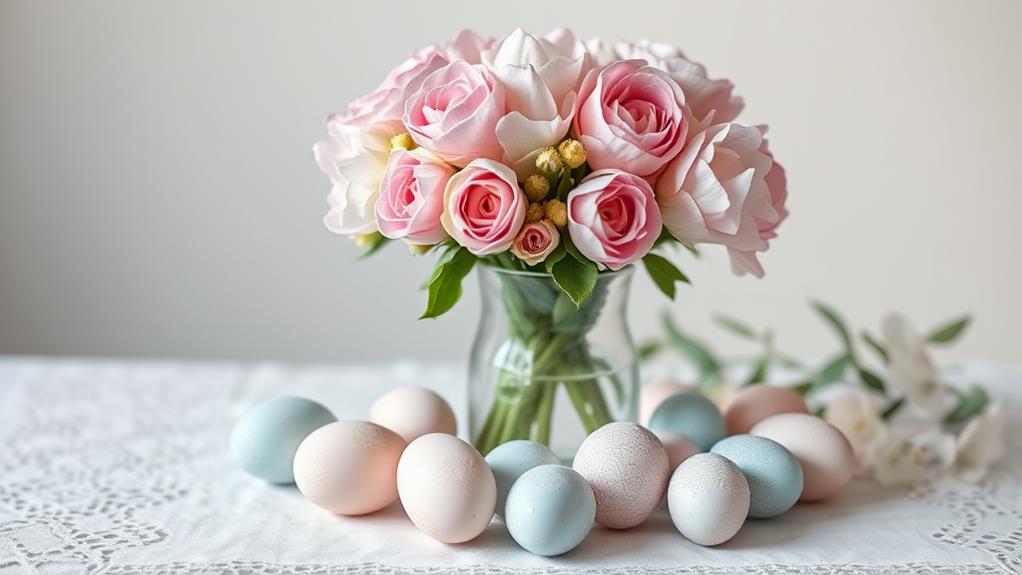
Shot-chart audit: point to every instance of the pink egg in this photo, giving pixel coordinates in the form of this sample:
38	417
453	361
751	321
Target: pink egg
446	488
651	395
749	405
349	467
412	412
821	449
678	447
627	467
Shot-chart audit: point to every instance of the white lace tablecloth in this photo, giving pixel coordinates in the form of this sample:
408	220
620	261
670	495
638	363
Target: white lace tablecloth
122	467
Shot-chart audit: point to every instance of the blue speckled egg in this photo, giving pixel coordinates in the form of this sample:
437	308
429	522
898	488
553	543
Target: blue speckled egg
550	510
265	439
510	460
775	476
691	415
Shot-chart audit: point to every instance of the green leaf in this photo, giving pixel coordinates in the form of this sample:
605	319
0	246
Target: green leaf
759	372
571	248
575	278
892	408
649	349
970	404
831	372
709	367
664	273
736	327
554	257
870	379
445	284
835	322
876	346
564	185
802	388
691	248
373	243
950	331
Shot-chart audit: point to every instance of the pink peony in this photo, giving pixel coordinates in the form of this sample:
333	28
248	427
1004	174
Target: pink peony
381	110
613	218
412	197
725	188
454	113
483	207
630	117
535	242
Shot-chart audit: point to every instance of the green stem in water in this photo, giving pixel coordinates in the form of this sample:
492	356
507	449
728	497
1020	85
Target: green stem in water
545	413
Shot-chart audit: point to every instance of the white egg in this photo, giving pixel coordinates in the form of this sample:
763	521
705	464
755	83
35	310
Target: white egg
627	467
412	412
446	488
708	498
349	467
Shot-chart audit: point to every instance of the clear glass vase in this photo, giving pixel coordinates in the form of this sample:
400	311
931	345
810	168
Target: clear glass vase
545	370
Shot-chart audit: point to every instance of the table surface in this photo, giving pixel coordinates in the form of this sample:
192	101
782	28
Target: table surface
123	467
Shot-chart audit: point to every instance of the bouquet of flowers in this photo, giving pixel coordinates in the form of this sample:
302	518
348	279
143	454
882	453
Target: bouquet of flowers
550	155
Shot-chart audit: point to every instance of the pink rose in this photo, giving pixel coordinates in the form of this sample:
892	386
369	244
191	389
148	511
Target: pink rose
535	242
467	45
381	110
483	207
613	218
725	188
454	113
412	197
630	117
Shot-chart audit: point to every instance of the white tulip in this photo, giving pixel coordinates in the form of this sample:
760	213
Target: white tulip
980	444
910	370
856	413
913	456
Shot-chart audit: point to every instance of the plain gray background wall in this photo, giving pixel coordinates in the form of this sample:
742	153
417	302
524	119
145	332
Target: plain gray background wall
158	195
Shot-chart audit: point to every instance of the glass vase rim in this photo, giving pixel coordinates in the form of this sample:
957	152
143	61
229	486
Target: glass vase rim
626	270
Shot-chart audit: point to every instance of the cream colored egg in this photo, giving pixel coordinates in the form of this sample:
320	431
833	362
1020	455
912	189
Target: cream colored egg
651	395
678	447
822	451
627	467
708	498
446	488
749	405
349	467
412	412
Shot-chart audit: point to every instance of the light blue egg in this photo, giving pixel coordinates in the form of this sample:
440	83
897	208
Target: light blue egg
691	415
265	439
550	510
510	460
775	476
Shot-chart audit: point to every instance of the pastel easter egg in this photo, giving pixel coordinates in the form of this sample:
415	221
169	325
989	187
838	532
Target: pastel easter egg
446	488
708	499
627	467
550	510
751	404
651	395
691	415
265	439
822	451
774	475
412	412
349	467
510	460
678	447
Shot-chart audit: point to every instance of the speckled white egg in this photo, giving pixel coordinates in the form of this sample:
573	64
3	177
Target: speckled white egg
446	488
412	412
264	440
751	404
349	467
708	498
627	467
678	447
824	453
510	460
651	395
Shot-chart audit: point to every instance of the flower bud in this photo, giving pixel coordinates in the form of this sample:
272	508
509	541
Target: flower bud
572	152
536	187
364	240
549	163
401	141
418	250
534	213
557	212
